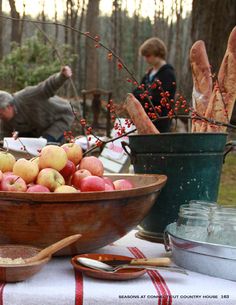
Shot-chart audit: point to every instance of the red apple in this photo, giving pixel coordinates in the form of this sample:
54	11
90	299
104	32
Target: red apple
65	189
26	169
78	176
7	161
50	178
74	152
108	187
7	173
123	184
92	164
52	156
37	188
109	184
13	183
92	184
1	175
68	170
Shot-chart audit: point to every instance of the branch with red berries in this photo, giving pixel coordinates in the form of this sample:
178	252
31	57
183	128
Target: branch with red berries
174	108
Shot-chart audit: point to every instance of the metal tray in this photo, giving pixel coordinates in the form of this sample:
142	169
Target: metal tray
211	259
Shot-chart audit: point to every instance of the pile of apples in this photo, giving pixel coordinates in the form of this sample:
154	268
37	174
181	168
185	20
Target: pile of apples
58	169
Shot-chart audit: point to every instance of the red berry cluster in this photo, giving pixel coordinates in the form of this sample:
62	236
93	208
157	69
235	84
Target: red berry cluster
89	131
173	106
69	136
111	107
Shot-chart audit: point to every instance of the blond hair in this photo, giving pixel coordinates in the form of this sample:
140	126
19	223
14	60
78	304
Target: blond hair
153	46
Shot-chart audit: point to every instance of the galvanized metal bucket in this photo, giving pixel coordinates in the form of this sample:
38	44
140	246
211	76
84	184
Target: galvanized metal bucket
211	259
192	163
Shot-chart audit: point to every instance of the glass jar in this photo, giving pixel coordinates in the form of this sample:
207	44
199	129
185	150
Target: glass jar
222	227
208	205
192	222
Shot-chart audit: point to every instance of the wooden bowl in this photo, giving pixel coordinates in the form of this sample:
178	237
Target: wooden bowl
19	272
40	219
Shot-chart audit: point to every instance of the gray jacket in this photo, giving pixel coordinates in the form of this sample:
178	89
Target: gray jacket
39	112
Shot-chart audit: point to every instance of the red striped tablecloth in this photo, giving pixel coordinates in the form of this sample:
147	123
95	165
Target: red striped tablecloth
58	284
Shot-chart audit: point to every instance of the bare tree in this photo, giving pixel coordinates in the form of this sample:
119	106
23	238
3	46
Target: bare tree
114	44
91	59
178	41
16	23
74	8
79	47
43	19
55	18
22	21
66	38
212	21
136	35
1	31
116	40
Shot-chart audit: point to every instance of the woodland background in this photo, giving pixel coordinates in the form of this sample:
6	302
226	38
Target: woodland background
26	56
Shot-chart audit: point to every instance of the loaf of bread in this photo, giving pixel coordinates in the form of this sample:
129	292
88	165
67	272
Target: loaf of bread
224	94
138	116
202	81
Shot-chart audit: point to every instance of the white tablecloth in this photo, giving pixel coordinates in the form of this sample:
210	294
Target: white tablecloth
58	284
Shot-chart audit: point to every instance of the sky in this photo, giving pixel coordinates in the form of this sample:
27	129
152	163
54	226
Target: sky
33	7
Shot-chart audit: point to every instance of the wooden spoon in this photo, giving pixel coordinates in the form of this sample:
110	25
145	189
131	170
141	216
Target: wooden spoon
53	248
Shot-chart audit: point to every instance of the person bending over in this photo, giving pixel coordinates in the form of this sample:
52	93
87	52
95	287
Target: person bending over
36	111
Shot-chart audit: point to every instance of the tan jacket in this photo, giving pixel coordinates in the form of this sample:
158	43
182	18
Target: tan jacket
39	112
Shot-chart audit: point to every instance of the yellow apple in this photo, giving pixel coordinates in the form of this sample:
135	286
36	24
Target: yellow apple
74	152
65	189
35	160
52	156
50	178
7	161
26	169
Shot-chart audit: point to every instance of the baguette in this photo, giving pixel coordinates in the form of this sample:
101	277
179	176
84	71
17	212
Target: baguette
220	109
202	81
139	117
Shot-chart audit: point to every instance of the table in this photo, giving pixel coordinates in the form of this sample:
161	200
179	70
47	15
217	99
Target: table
58	284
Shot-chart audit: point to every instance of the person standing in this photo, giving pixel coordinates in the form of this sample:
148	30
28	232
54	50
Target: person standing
154	52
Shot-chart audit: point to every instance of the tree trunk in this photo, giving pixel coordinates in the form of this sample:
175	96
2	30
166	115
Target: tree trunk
55	19
1	31
136	36
179	41
80	70
74	8
43	19
212	21
91	59
114	46
15	29
22	21
66	39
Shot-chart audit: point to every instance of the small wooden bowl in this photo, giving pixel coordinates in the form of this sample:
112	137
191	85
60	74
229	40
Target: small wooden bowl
19	272
120	275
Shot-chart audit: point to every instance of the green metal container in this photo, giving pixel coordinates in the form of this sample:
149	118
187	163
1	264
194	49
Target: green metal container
192	163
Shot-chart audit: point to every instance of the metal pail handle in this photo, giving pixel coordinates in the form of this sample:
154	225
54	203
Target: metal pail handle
129	152
167	242
229	147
